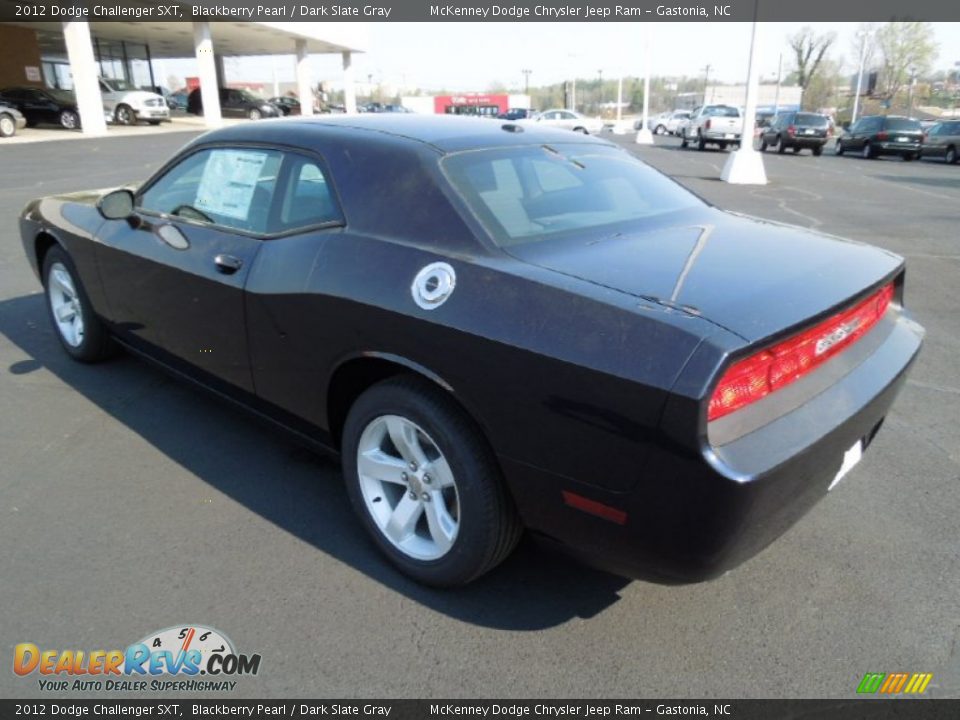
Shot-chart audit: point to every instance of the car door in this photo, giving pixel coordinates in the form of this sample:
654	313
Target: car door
174	273
37	106
856	137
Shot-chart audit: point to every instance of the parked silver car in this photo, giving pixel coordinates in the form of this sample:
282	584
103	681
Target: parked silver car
129	105
942	140
568	120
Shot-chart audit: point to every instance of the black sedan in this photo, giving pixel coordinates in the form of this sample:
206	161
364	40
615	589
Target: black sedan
496	328
43	106
235	103
876	135
796	131
286	105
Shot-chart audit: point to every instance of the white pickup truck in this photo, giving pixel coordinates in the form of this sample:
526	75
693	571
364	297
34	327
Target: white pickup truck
712	124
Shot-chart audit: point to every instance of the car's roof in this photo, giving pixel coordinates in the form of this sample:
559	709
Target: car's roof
445	133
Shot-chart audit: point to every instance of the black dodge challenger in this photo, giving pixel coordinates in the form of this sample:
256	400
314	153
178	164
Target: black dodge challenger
497	327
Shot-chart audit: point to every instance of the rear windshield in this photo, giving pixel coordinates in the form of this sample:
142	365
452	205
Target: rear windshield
901	124
721	111
530	193
812	120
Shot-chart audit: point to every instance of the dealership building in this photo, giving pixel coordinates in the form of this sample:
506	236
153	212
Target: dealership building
74	53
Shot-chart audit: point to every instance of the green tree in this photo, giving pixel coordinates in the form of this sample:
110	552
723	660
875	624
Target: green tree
905	48
809	50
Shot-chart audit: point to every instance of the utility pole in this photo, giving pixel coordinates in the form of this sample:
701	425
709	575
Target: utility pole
526	81
706	82
644	136
913	84
863	35
776	97
600	90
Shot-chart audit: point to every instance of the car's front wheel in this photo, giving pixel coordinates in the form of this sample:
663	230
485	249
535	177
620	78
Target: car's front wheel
581	130
8	126
80	331
254	114
425	484
124	115
69	120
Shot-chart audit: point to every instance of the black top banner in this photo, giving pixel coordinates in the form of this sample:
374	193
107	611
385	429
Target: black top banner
924	709
476	11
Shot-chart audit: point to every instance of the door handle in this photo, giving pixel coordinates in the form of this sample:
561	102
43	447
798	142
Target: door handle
227	264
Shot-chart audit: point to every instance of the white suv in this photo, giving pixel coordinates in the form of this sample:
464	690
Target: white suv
129	105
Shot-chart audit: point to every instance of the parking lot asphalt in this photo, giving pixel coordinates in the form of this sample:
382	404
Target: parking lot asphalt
130	502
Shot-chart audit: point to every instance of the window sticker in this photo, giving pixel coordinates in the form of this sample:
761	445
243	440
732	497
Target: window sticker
229	181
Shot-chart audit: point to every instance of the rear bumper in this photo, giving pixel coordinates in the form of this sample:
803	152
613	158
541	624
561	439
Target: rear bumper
718	136
805	142
895	148
694	516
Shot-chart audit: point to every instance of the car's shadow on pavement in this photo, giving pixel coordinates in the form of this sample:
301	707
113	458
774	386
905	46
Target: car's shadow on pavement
534	589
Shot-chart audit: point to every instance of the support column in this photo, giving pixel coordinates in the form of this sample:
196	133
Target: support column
644	136
83	67
349	89
304	83
203	45
745	166
221	70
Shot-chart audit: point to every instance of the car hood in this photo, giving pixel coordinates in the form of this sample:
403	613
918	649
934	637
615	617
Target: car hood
137	96
751	276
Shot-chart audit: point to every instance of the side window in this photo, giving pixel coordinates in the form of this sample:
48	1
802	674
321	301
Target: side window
307	199
231	187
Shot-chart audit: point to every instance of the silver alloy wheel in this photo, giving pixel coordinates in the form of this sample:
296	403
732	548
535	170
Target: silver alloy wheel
124	115
65	304
866	152
255	114
408	487
7	126
69	120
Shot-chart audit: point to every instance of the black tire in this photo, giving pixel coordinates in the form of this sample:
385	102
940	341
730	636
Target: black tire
838	148
124	115
69	120
867	152
817	150
684	143
489	527
154	122
763	145
781	148
907	157
96	344
581	130
796	149
950	156
660	130
701	143
8	126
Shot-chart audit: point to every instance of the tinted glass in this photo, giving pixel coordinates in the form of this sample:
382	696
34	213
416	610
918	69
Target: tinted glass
226	186
812	120
531	193
307	199
902	124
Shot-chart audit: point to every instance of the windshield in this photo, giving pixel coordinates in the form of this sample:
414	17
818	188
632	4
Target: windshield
721	111
118	85
530	193
812	120
902	124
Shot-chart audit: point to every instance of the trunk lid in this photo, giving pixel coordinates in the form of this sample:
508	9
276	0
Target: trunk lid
753	277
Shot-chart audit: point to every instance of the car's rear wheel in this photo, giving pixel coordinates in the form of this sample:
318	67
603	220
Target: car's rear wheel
951	155
817	150
867	151
254	114
425	484
781	149
907	157
763	145
581	130
701	143
838	148
683	138
80	331
660	130
8	126
69	120
124	115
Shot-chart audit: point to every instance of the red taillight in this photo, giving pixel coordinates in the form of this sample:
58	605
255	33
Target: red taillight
764	372
706	125
791	130
882	135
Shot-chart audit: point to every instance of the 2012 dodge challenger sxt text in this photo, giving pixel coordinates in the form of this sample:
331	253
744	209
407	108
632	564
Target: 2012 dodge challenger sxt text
497	327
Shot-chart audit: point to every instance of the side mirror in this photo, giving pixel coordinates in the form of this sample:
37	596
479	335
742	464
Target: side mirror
116	205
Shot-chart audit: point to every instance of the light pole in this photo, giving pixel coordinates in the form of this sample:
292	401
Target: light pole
745	165
913	84
600	89
526	81
863	35
776	97
706	82
644	136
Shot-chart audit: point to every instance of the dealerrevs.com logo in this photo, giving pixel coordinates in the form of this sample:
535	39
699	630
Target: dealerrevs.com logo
895	683
187	658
